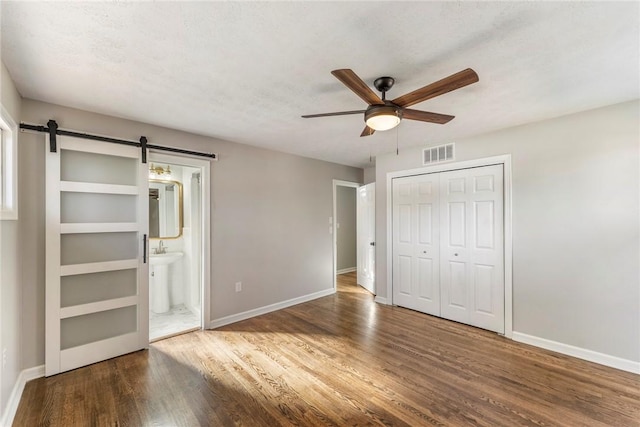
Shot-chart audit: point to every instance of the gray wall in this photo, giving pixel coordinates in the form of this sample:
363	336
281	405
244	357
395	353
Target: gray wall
10	290
269	213
575	225
369	175
346	233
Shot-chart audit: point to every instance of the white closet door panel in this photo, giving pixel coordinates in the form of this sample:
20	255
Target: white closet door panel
457	289
405	276
425	224
403	243
96	284
488	249
405	234
472	254
483	279
426	285
415	246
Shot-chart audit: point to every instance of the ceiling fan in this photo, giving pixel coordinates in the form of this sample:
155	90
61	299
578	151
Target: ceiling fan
383	114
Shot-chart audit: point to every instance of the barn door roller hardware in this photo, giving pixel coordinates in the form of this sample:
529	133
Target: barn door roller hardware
53	130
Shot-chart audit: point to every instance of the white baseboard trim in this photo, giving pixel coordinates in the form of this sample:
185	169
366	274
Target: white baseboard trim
347	270
24	377
580	353
227	320
381	300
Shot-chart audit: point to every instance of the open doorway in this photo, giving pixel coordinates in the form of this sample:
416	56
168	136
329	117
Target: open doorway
178	245
345	228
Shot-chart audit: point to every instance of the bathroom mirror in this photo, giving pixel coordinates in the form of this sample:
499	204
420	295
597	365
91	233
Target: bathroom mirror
165	209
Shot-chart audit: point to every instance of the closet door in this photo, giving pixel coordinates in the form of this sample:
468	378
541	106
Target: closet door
96	278
472	246
416	243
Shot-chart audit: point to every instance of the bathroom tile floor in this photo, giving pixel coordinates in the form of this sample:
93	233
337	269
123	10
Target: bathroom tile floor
178	319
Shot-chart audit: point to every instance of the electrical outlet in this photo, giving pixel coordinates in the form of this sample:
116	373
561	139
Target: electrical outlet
238	286
4	357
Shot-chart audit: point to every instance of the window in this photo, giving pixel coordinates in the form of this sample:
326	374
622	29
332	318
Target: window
8	166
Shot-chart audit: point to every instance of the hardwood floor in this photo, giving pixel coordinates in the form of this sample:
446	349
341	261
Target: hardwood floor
336	361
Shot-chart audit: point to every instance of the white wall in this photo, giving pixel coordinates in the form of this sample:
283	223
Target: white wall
269	215
576	242
345	228
10	265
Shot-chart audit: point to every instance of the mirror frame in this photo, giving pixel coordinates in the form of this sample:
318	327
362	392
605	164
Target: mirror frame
180	209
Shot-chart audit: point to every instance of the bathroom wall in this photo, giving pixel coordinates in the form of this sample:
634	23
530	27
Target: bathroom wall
192	243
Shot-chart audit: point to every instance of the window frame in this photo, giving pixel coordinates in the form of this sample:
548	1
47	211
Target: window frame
8	166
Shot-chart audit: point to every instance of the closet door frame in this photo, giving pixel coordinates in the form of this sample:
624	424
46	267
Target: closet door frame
504	160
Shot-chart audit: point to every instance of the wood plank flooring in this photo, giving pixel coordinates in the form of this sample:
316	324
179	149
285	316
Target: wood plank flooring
341	360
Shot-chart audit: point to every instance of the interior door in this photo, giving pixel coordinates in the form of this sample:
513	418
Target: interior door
416	243
472	246
96	274
366	230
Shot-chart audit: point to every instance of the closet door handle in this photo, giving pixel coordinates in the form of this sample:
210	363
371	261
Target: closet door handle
144	248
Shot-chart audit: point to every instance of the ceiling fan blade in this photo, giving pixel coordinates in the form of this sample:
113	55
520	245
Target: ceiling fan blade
453	82
339	113
355	83
425	116
367	131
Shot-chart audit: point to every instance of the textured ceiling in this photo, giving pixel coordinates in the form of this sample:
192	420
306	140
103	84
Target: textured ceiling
246	71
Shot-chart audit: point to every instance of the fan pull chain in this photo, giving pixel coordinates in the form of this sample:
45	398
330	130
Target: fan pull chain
370	154
397	143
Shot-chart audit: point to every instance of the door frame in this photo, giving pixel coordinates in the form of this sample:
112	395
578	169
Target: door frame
205	166
504	160
332	224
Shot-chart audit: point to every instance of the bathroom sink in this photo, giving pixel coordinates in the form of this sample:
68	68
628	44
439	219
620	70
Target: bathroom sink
165	258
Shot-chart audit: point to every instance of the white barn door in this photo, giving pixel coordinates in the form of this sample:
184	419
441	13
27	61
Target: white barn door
472	246
96	278
416	282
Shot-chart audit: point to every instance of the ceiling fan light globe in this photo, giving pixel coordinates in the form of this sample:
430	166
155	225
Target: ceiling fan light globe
382	117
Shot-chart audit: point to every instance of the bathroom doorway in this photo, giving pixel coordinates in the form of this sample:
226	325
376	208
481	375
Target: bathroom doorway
178	245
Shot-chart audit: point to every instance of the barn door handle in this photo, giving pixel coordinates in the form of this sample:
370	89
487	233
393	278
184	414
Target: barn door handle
144	248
